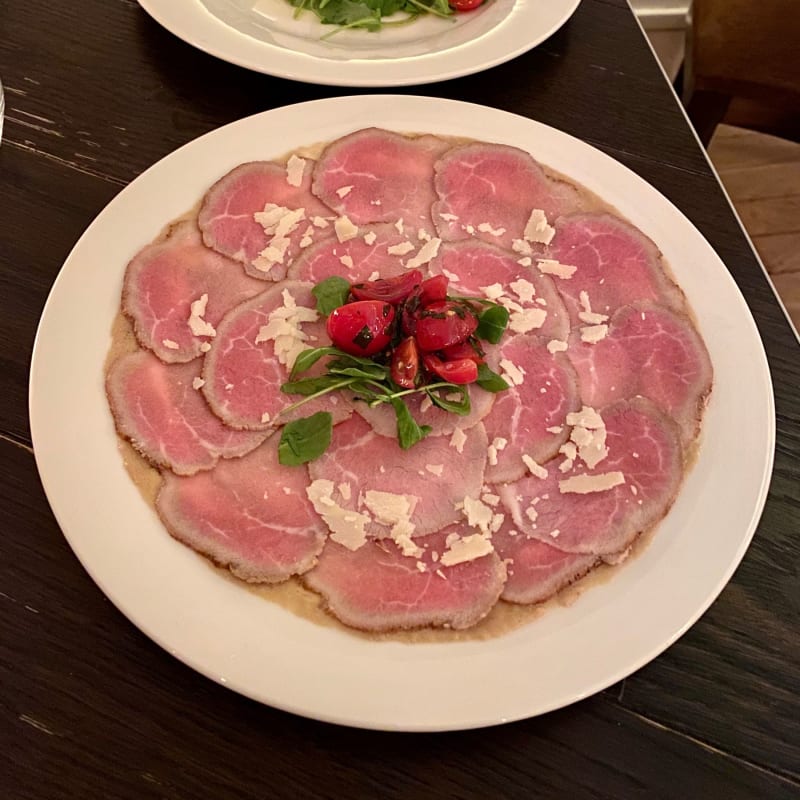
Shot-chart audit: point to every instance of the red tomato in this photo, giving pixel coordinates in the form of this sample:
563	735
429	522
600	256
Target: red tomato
362	328
405	363
390	290
433	289
444	323
463	350
465	5
464	370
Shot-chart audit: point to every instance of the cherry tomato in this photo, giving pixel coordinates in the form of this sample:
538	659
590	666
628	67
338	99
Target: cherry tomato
362	328
405	363
455	352
465	5
433	289
463	370
390	290
444	323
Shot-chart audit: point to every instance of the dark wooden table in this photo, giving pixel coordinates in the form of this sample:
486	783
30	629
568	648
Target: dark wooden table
91	708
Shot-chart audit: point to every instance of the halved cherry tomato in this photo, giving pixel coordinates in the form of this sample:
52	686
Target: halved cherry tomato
465	5
362	328
433	289
405	363
444	323
463	350
464	370
390	290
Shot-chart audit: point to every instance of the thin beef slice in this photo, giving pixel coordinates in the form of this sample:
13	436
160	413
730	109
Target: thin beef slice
160	409
229	224
170	280
375	175
648	351
243	373
490	190
643	448
248	514
377	588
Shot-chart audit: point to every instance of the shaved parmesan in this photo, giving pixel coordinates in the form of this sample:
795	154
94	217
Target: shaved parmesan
295	167
584	484
537	229
551	267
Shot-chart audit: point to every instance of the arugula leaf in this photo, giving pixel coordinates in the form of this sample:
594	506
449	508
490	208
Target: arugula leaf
489	380
408	431
305	439
492	324
461	406
307	358
378	374
332	292
306	386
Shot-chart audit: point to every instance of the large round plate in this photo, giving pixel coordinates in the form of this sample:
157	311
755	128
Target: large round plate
260	649
263	35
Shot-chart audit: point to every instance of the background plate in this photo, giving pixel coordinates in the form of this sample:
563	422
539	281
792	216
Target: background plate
259	649
262	35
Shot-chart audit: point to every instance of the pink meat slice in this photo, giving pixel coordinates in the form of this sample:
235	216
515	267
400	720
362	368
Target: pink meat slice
536	570
384	421
473	265
165	278
648	351
644	445
377	588
332	257
497	186
375	175
156	407
249	514
243	378
616	265
432	471
523	414
229	227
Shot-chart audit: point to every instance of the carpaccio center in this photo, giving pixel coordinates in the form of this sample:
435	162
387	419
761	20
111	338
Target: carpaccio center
420	376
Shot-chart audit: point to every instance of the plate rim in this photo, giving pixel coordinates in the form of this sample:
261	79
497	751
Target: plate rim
312	69
191	661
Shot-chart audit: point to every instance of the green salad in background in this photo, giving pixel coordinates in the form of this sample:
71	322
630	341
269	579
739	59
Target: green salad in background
371	15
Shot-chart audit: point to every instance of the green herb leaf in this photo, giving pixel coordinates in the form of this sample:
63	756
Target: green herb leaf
305	439
379	372
369	370
332	292
307	358
408	431
489	380
492	324
461	406
306	386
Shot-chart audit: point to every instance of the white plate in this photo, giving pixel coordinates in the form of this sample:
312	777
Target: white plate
265	652
263	35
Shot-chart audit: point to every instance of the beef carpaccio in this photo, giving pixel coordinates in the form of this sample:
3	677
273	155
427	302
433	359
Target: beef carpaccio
538	486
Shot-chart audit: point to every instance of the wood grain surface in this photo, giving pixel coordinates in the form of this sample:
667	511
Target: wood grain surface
90	708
